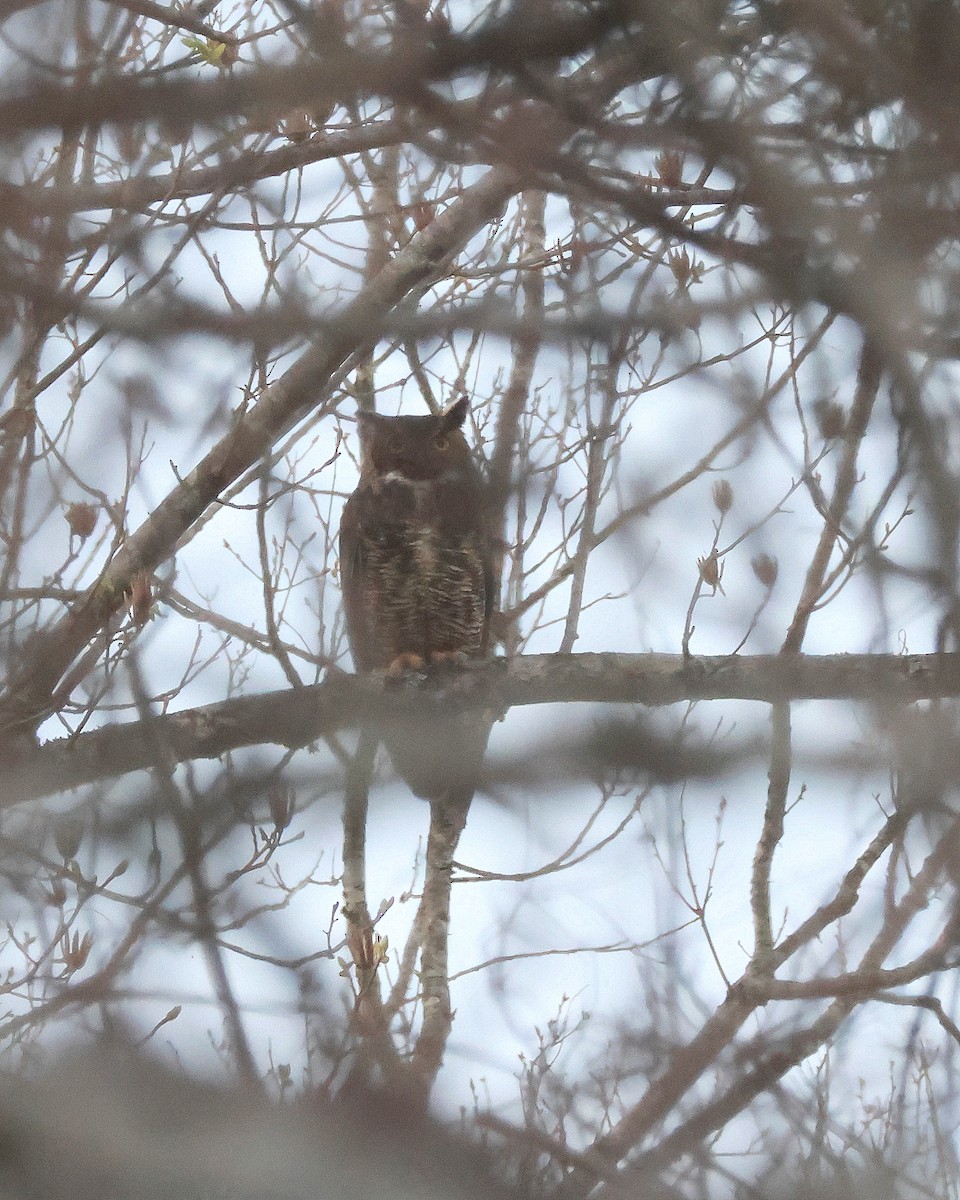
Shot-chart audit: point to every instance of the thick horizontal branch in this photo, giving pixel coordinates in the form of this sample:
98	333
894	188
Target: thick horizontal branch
152	321
343	72
298	717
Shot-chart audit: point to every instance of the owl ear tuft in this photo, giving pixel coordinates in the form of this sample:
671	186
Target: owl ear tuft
454	416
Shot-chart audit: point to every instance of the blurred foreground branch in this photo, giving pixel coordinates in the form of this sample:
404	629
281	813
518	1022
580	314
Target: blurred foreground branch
116	1125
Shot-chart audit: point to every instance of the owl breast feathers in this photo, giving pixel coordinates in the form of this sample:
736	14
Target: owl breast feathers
414	560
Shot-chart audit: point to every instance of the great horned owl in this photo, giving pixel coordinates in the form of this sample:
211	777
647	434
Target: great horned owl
416	572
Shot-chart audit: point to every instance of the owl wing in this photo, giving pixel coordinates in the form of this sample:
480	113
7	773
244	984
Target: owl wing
489	583
353	581
475	520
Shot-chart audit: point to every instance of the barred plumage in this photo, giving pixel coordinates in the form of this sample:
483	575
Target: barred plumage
415	564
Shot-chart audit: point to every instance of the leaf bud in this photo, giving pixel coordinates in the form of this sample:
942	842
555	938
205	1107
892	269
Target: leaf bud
765	568
82	519
723	495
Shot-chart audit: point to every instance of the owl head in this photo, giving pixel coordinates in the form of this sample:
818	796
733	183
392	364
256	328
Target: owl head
418	448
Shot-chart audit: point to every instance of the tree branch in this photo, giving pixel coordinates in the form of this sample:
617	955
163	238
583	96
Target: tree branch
343	72
297	718
138	192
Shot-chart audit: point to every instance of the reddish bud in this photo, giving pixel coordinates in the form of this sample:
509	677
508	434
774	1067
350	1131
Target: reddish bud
82	519
711	572
723	495
140	598
422	214
831	419
280	798
67	837
669	166
75	950
228	56
766	569
679	263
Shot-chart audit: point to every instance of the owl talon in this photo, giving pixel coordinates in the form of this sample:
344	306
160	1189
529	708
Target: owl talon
448	658
405	662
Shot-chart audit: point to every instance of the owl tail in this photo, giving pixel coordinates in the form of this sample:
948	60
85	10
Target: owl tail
443	759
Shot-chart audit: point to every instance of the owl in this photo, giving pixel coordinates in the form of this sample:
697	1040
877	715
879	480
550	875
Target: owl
416	573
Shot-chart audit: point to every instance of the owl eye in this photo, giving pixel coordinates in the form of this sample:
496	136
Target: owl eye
441	441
